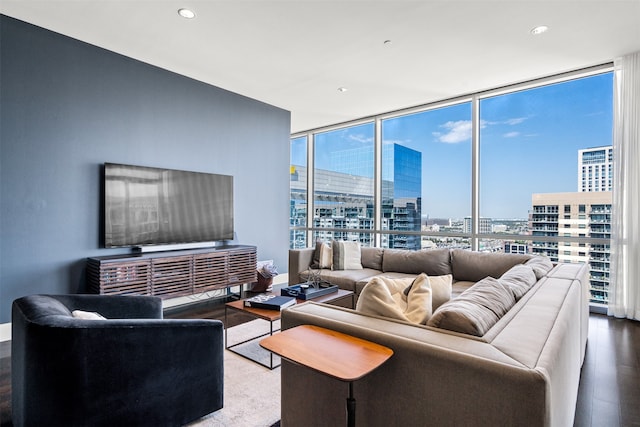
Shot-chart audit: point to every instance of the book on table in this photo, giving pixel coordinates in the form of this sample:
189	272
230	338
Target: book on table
270	302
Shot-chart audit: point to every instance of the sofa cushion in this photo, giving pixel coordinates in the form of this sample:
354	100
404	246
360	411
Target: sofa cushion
385	297
371	257
474	266
519	279
433	262
476	310
346	255
541	265
322	256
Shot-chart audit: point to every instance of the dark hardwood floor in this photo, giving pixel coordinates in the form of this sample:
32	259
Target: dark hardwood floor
609	393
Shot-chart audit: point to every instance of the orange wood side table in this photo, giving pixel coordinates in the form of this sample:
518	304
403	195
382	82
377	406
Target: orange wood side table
273	315
332	353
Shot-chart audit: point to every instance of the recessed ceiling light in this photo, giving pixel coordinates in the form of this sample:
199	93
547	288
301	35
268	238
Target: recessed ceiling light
539	30
342	89
187	13
387	42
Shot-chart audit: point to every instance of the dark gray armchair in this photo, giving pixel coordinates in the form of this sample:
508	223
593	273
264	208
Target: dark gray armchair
133	369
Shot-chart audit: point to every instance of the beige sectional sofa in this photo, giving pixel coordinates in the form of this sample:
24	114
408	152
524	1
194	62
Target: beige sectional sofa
467	267
523	371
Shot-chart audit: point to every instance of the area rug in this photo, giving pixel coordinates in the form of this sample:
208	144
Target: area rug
251	348
251	391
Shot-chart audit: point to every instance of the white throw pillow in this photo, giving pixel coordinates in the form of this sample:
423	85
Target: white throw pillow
326	256
322	256
87	315
384	296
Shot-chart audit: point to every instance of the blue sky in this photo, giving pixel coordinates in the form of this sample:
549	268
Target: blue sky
529	142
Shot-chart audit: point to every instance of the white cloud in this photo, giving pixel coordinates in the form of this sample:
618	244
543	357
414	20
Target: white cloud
515	121
360	138
457	131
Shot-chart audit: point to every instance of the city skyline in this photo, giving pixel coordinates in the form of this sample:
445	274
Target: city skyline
529	142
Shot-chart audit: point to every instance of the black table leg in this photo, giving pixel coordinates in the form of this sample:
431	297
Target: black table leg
351	407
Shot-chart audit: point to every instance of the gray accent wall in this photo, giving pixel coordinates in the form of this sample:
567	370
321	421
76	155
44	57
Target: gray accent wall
67	107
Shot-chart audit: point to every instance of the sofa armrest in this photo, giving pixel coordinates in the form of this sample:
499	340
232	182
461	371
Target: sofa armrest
299	261
115	306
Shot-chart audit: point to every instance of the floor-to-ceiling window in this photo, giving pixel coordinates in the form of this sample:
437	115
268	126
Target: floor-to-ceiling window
545	171
426	178
343	184
523	169
298	193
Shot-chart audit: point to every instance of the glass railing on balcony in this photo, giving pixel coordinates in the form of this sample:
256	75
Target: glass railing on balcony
598	298
551	245
603	221
545	209
544	219
544	228
600	211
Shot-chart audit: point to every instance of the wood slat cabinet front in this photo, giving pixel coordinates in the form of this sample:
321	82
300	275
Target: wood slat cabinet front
172	273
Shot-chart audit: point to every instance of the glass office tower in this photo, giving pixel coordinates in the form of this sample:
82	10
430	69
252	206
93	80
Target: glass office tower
344	197
401	195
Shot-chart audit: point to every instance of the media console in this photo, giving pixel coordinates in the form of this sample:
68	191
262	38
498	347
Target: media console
172	273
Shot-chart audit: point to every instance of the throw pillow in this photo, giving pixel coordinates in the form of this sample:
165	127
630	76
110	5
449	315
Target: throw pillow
476	310
541	265
384	296
87	315
322	256
346	255
441	287
519	279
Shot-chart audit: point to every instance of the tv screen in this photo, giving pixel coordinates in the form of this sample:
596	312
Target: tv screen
154	206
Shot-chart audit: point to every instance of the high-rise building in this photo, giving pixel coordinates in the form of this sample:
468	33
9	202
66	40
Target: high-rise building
511	247
484	225
586	213
401	195
575	215
595	169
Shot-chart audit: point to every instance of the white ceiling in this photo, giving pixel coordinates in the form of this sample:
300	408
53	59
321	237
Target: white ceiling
295	54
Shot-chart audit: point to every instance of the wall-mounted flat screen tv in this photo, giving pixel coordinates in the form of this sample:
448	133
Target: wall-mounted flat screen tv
153	206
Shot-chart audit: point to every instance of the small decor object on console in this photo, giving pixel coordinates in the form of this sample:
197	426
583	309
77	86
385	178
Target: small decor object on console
270	302
265	276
